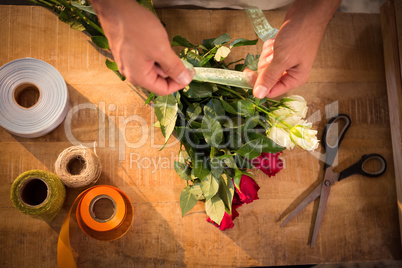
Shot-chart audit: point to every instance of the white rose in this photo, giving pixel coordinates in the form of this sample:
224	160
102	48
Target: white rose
298	105
280	136
304	136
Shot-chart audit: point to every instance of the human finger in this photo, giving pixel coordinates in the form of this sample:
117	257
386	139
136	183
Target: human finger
251	76
267	53
159	85
288	81
267	78
173	67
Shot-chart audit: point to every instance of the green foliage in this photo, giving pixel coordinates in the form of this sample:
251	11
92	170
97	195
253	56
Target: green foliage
100	41
66	17
215	208
166	108
81	17
187	200
243	42
113	66
220	127
179	40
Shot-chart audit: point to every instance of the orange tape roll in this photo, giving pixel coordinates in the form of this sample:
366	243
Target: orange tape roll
111	228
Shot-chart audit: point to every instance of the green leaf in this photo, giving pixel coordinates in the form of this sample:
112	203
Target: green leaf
149	5
208	43
178	100
200	165
251	122
228	108
217	167
182	170
230	162
224	38
150	98
206	60
194	110
233	62
226	191
225	156
113	66
88	9
251	62
199	90
190	136
251	149
209	186
67	17
197	191
212	131
194	58
234	140
166	108
100	41
244	107
215	209
214	108
187	201
268	145
237	178
179	40
243	42
241	162
240	67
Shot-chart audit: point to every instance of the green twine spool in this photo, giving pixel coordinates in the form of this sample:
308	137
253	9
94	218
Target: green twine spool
38	193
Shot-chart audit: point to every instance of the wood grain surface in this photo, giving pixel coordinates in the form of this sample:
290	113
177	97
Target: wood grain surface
391	22
361	220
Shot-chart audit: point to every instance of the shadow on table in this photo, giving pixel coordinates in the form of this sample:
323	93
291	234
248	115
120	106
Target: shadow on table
150	241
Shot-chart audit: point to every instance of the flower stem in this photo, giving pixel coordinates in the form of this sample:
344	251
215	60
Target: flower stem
259	107
231	91
273	116
84	18
42	3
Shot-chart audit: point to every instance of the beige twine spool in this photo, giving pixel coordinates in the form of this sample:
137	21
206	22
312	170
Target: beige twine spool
78	167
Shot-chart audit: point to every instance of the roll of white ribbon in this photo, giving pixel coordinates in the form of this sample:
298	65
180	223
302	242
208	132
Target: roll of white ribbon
49	110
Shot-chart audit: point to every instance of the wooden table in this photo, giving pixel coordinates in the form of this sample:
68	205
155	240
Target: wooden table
361	221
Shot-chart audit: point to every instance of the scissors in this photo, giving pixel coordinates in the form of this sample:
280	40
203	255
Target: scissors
331	140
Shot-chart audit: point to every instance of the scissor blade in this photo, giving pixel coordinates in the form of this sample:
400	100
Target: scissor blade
310	198
329	179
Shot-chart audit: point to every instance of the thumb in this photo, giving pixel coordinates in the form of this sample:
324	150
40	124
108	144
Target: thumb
267	78
174	68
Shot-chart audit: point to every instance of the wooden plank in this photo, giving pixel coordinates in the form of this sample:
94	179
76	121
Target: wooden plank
398	21
392	38
348	76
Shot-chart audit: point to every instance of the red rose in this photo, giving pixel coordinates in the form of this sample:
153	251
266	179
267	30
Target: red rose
248	191
226	222
269	163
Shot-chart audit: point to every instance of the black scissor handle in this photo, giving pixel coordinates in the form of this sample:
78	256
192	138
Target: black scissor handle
358	167
332	138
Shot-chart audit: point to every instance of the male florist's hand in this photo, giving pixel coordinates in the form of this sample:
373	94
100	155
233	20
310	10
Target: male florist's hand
141	47
286	61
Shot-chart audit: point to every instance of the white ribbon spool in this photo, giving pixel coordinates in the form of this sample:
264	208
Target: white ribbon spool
51	107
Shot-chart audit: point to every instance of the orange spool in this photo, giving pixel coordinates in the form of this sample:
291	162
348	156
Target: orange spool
108	229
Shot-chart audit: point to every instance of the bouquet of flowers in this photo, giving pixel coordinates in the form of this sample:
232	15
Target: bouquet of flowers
222	128
224	131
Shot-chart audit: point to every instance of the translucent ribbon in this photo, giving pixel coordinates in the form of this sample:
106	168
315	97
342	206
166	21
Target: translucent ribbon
229	77
260	24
